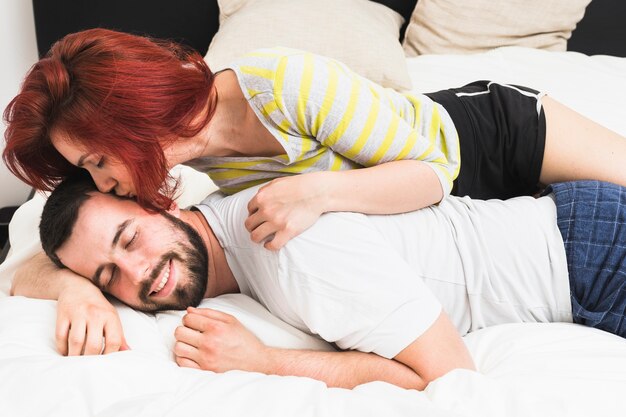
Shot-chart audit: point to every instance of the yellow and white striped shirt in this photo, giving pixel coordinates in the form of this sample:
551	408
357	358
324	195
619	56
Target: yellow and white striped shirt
327	117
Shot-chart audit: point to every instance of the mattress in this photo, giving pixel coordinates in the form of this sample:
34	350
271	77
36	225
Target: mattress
555	369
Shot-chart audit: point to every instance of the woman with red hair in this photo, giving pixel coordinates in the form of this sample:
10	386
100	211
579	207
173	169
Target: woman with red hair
128	108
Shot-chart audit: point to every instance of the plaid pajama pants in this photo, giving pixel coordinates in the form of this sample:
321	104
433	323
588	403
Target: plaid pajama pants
591	216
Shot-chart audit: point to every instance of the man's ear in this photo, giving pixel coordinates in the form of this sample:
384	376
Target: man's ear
174	210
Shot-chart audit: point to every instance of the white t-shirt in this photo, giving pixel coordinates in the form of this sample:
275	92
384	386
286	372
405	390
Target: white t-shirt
376	283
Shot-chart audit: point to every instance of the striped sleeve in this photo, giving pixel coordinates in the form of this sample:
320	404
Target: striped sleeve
363	121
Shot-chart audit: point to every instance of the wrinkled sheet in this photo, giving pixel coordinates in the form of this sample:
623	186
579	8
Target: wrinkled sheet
525	369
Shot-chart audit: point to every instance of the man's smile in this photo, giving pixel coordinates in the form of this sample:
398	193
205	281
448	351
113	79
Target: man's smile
163	286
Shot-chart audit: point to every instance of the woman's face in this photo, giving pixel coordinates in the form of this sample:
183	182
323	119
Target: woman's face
108	173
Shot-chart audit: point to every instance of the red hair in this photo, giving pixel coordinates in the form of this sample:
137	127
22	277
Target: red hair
115	94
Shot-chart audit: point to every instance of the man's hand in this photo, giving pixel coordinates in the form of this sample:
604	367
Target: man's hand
84	318
84	315
284	208
216	341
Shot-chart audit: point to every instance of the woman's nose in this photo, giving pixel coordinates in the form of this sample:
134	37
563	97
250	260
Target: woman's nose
121	191
104	183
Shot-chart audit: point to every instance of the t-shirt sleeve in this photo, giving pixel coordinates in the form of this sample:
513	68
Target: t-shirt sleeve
361	120
349	286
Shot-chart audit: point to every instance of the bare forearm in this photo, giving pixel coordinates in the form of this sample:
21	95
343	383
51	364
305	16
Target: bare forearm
393	187
40	278
435	353
340	369
218	342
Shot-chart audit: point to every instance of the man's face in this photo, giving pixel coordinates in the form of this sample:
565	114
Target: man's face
148	261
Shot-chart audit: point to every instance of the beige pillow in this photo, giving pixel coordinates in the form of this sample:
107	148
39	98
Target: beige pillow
468	26
360	33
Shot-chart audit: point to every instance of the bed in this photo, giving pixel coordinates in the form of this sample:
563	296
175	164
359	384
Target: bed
556	369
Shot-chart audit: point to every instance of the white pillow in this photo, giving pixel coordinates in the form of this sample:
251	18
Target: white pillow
360	33
27	327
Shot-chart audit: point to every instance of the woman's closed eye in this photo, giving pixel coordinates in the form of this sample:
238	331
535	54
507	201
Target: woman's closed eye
101	161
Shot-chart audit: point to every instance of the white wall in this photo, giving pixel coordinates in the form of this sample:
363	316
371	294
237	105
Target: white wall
18	51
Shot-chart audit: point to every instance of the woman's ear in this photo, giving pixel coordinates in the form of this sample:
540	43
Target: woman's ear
174	210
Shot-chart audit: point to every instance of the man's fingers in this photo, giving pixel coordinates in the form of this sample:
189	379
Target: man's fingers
111	346
187	363
61	335
93	342
124	345
188	336
183	350
76	338
113	338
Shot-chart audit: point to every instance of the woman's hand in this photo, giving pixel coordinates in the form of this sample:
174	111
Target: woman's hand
87	323
285	207
218	342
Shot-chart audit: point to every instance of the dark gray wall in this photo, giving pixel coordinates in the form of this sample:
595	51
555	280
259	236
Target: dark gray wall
193	22
602	30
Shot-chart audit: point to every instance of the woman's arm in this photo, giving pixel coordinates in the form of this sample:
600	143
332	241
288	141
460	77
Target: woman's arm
40	278
393	187
84	316
287	206
407	144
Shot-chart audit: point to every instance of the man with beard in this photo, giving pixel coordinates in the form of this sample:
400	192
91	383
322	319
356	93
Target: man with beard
394	292
187	248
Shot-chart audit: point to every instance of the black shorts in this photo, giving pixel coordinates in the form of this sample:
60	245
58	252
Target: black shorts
502	135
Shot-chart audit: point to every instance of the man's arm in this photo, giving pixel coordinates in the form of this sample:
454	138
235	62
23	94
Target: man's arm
216	341
345	369
84	315
437	351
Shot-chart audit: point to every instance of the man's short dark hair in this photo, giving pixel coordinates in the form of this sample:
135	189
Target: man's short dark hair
61	211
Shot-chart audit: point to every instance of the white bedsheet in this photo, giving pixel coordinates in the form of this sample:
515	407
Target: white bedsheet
524	369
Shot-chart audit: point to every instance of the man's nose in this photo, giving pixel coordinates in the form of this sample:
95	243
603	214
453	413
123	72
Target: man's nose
134	267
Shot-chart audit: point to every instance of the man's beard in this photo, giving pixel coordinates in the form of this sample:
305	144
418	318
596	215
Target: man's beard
194	258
